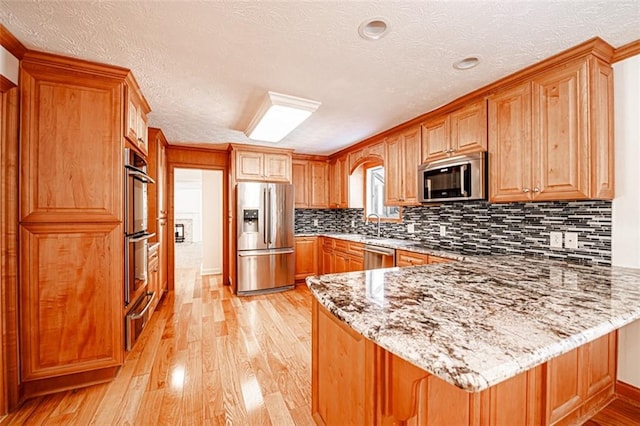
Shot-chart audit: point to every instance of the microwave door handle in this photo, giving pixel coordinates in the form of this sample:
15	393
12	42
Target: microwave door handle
428	189
463	172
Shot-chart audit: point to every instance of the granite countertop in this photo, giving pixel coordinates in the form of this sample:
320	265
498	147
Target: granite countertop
394	243
480	321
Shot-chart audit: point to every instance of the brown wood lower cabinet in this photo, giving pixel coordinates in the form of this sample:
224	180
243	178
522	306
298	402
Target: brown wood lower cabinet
306	249
340	256
377	387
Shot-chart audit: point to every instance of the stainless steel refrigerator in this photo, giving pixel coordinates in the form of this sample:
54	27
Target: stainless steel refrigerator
266	259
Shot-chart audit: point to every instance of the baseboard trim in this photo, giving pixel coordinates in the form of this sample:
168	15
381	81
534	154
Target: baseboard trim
628	391
211	271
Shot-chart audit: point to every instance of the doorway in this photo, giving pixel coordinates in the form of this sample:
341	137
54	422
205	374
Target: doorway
198	223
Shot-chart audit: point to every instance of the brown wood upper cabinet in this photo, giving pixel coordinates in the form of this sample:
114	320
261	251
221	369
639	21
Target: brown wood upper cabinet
137	109
372	151
339	183
460	132
311	180
550	138
402	158
262	165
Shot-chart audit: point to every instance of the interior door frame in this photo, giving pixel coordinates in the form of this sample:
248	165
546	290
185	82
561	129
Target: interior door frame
187	157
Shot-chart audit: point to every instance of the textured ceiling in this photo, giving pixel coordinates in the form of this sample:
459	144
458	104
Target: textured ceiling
205	65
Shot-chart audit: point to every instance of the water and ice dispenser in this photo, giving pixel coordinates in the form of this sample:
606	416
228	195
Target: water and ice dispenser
250	220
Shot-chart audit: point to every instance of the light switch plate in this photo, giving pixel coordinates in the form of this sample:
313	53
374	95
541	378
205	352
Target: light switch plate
443	231
315	222
571	240
411	228
353	223
555	239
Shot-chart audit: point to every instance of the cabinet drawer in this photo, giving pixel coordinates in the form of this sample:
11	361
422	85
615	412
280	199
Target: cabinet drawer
436	259
405	258
356	249
341	245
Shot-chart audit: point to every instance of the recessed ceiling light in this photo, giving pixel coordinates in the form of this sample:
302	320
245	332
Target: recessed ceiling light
373	29
467	63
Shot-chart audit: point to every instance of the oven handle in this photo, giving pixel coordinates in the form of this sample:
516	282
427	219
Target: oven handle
132	171
141	238
379	250
136	316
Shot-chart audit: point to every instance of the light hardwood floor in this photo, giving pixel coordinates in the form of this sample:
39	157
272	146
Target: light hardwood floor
207	357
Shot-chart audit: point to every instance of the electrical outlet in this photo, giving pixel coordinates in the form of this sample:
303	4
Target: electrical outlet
411	228
571	240
443	231
353	223
315	222
555	239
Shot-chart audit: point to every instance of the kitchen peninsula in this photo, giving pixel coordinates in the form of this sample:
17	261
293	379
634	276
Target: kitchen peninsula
486	340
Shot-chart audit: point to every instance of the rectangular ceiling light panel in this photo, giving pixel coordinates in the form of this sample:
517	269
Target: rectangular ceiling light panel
278	115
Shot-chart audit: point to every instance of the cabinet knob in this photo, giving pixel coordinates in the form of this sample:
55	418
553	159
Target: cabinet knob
525	189
536	189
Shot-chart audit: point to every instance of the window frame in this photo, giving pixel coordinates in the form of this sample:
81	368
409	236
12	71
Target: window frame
366	167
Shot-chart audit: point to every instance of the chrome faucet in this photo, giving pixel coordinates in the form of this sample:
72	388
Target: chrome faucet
367	221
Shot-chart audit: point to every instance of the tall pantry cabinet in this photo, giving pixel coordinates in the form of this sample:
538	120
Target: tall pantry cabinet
70	222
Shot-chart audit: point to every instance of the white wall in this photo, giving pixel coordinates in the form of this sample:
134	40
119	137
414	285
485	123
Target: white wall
188	199
211	222
9	65
626	205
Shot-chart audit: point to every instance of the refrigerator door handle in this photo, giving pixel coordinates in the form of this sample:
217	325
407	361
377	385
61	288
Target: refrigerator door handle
269	212
264	253
264	224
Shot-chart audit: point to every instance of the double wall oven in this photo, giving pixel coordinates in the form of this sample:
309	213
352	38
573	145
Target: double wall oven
137	298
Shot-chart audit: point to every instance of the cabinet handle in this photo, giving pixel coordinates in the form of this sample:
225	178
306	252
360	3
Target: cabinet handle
525	190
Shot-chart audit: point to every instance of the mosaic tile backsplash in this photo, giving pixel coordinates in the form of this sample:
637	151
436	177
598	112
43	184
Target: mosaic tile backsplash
484	228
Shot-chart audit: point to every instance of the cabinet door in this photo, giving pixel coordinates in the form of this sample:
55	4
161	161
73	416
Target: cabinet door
600	359
561	134
132	116
71	147
306	249
339	183
410	163
71	298
249	165
143	139
318	184
300	175
393	171
340	263
469	129
356	263
277	167
510	151
161	182
435	139
565	384
346	366
327	261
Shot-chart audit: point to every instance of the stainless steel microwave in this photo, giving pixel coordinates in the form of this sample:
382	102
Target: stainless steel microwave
453	179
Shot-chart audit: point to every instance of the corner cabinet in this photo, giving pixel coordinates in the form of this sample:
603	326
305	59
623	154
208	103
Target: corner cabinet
402	158
339	183
70	222
311	180
550	138
261	165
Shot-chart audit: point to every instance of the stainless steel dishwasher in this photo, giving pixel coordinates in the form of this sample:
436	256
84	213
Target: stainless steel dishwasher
376	257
